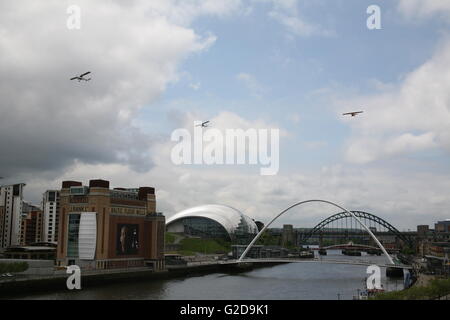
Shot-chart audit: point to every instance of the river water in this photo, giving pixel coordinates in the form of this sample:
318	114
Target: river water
295	281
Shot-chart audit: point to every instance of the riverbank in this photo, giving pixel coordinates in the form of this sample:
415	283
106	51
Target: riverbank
427	287
18	285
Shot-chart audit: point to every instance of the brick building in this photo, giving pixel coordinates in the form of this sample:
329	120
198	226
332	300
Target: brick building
102	228
32	222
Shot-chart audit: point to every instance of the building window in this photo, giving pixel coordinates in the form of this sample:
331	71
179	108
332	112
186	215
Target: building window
72	242
51	196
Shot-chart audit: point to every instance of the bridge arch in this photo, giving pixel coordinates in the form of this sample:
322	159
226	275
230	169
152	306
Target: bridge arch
323	201
361	215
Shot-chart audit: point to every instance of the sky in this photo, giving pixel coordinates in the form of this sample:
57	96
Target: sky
292	65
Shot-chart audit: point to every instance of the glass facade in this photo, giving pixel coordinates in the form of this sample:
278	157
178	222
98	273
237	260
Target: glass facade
78	190
73	230
214	221
243	233
119	194
205	228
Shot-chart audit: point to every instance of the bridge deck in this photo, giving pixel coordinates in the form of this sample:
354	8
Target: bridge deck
315	260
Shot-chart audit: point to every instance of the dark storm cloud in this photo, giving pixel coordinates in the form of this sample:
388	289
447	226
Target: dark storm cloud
46	121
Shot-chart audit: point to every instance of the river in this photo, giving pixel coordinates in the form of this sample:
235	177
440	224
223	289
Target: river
295	281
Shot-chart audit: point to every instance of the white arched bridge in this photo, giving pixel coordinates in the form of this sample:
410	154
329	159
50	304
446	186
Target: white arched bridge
356	215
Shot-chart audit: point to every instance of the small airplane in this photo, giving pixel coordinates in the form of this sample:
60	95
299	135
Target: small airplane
81	77
353	114
203	125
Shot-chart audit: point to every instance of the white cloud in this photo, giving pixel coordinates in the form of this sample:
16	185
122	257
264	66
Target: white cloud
295	118
391	195
54	129
133	49
413	116
251	83
296	25
195	86
286	13
183	12
425	8
316	144
422	198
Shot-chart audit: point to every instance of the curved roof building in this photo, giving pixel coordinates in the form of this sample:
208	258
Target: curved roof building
213	221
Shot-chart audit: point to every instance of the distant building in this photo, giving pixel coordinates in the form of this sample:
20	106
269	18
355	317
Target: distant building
423	248
440	249
438	258
31	225
288	235
36	251
441	232
442	226
259	251
238	249
50	207
102	228
423	230
429	242
11	202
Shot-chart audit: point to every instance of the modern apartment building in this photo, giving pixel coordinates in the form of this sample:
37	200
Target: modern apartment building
11	202
102	228
31	225
50	208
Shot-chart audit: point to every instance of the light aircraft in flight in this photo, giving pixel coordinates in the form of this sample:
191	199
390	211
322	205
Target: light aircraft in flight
203	125
81	77
353	114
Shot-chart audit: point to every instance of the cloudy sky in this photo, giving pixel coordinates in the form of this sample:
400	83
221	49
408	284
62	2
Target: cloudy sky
296	65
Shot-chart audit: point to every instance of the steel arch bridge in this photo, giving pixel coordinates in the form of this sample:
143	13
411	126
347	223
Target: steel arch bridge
391	261
362	215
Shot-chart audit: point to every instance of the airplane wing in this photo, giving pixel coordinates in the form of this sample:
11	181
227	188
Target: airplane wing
206	122
85	74
74	78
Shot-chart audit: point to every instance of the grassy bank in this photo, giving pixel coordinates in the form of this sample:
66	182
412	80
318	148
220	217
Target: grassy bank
169	238
205	246
13	267
193	246
435	289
